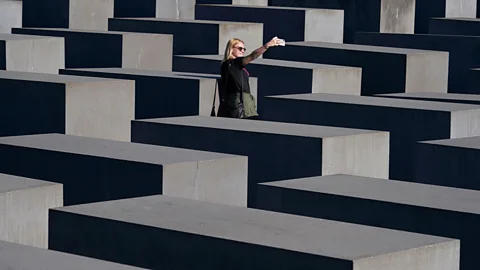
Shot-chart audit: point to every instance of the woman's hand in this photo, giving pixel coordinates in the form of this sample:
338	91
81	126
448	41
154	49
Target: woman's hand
275	42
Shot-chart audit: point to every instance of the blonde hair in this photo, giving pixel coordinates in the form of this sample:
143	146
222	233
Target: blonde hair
228	49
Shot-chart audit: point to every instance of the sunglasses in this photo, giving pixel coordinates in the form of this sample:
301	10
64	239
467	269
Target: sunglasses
241	49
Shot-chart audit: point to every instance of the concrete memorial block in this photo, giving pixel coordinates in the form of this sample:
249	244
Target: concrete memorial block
31	54
74	14
389	16
440	97
24	205
283	77
194	36
303	24
93	170
160	232
10	15
408	121
97	49
15	256
165	94
275	151
462	51
412	207
32	103
455	26
402	70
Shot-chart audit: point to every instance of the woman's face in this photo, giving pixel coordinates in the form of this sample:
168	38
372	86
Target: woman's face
238	49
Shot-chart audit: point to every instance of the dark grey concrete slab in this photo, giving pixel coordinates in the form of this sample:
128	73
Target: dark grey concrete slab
94	170
312	150
159	232
210	37
438	97
398	205
462	53
403	70
22	257
408	121
303	24
455	26
97	49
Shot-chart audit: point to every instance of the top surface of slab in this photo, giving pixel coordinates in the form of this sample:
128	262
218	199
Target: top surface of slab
257	126
457	19
52	78
20	257
290	232
430	196
467	142
144	72
68	30
433	95
8	37
11	182
381	102
263	7
187	21
355	47
119	150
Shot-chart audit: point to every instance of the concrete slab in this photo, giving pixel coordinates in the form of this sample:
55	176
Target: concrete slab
93	170
74	14
462	51
426	9
210	37
10	15
439	97
397	205
16	257
403	70
31	54
33	103
455	26
389	16
408	121
275	76
97	49
157	229
24	204
303	24
164	94
312	150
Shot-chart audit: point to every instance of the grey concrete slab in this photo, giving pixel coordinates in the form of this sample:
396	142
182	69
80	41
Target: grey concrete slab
24	205
210	37
455	26
278	77
93	170
33	103
438	97
462	53
403	70
397	205
303	24
97	48
74	14
390	16
161	231
10	15
164	94
275	151
31	54
408	121
22	257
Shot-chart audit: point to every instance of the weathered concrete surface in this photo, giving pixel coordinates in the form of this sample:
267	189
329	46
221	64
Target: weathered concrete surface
22	257
427	9
156	230
408	121
93	170
462	51
210	37
31	54
403	70
276	76
397	205
24	205
165	94
312	150
455	26
97	49
74	14
10	15
32	103
439	97
303	24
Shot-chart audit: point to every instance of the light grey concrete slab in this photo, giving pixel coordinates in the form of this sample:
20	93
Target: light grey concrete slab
24	205
10	15
244	237
439	97
94	170
33	103
31	54
398	205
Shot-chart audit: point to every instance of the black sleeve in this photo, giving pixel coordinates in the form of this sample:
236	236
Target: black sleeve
238	62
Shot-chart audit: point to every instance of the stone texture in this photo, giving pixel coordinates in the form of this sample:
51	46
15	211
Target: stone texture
10	15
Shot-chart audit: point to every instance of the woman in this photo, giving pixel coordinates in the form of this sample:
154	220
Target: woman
236	101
